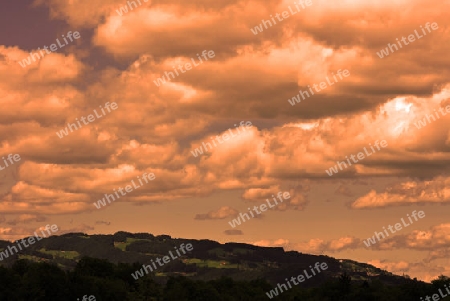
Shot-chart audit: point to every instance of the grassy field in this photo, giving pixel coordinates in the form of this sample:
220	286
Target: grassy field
211	263
62	254
159	274
31	258
120	245
123	245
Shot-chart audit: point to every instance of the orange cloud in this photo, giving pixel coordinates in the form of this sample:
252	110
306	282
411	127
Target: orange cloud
221	213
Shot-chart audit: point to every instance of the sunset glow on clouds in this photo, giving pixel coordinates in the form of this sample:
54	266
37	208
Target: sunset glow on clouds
288	148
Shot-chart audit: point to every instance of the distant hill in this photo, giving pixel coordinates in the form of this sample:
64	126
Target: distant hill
208	260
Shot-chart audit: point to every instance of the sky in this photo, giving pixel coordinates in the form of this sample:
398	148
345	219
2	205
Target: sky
281	91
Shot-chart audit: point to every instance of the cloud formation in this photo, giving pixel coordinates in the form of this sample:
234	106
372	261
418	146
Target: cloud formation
436	190
251	78
221	213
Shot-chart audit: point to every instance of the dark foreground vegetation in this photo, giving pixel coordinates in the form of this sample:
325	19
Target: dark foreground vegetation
27	280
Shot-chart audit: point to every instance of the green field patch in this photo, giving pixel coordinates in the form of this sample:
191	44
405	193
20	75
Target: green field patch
32	258
130	240
123	245
192	260
161	274
168	274
217	264
61	254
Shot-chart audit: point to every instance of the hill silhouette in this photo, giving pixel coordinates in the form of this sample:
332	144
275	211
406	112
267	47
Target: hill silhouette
209	266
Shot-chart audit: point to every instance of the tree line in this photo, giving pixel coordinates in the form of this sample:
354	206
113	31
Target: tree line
27	280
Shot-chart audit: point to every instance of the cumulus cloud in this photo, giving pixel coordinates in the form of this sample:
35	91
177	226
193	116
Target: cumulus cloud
414	191
297	198
400	266
434	239
285	151
250	78
83	228
25	218
420	270
281	242
18	232
221	213
257	194
318	246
